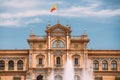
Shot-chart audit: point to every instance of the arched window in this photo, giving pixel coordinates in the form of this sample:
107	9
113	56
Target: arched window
58	44
20	65
16	78
40	77
76	77
95	65
2	65
76	61
104	65
10	65
114	65
58	60
58	77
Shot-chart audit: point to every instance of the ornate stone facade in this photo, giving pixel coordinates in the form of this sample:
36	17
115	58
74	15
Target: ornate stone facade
50	52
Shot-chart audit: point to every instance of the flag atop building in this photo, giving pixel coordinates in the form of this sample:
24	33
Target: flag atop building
53	8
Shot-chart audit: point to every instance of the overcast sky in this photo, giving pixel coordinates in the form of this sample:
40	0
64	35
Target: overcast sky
100	18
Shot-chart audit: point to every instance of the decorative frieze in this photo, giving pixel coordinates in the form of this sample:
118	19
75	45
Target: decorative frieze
15	58
105	58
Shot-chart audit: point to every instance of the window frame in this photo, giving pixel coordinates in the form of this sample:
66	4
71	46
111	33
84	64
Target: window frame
58	44
20	65
113	65
11	65
2	65
104	65
96	65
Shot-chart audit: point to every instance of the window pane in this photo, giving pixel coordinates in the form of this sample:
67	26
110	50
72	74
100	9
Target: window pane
58	77
104	65
96	65
114	65
10	65
98	78
58	60
76	77
40	77
58	44
76	61
17	78
2	65
40	60
20	65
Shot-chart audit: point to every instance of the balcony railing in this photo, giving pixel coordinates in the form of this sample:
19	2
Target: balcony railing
58	65
40	65
75	37
76	65
20	68
114	69
96	68
11	68
41	37
104	68
2	68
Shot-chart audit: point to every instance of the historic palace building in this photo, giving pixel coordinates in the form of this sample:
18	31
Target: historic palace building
50	52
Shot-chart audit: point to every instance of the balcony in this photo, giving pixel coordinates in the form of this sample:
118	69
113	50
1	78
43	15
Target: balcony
104	68
114	69
58	65
75	37
76	65
40	65
11	68
2	68
96	68
41	37
20	68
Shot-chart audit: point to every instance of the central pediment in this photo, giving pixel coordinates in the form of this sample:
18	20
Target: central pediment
58	30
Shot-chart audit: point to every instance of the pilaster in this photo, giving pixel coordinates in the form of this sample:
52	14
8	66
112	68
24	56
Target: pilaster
100	65
109	66
15	66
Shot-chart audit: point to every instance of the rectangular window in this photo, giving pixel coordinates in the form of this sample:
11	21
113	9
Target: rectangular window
117	78
17	78
98	78
76	61
40	60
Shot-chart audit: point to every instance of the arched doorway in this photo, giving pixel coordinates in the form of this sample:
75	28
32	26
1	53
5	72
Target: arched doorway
40	77
58	77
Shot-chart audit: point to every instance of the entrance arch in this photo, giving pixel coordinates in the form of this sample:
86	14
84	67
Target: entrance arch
58	77
40	77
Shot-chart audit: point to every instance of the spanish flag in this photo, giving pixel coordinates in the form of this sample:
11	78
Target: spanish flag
53	8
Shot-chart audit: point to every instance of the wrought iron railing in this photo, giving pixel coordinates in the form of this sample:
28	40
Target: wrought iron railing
75	37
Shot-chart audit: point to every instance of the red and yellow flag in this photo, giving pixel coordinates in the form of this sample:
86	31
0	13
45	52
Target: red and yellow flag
53	8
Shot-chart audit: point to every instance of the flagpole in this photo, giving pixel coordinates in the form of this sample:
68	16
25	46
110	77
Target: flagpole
58	13
56	7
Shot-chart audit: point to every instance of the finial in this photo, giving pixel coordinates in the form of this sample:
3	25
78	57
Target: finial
85	32
67	26
31	31
58	21
48	25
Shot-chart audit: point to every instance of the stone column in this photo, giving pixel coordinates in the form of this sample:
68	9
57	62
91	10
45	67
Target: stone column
49	50
67	47
30	60
33	76
22	78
